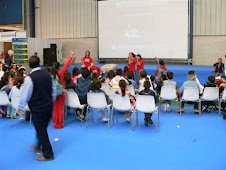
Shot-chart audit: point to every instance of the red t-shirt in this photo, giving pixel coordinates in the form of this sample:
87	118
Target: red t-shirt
132	66
87	61
96	70
141	67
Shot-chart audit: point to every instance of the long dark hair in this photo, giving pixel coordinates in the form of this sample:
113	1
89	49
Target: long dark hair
4	81
87	51
19	80
96	85
111	74
75	72
67	79
138	55
122	85
55	67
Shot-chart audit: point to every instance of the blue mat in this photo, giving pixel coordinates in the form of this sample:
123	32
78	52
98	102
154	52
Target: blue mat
180	71
186	142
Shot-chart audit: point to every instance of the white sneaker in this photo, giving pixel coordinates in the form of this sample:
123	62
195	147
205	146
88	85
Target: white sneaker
164	107
105	119
128	119
168	108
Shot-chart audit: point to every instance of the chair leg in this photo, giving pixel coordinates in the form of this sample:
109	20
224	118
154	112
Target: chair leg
137	118
200	110
180	107
93	115
112	117
157	121
133	122
11	122
65	113
30	121
117	116
87	113
219	107
108	117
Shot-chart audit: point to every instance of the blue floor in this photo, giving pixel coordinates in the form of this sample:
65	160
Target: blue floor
182	143
188	142
180	71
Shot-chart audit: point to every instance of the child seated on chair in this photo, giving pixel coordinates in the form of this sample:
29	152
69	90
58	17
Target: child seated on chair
111	75
168	82
75	74
208	106
124	91
218	67
115	81
148	91
96	88
131	80
4	86
81	87
190	83
143	77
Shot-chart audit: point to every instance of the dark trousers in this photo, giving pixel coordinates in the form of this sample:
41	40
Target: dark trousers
83	100
196	105
41	121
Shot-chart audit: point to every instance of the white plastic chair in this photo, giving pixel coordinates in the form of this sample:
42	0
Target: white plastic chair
120	104
131	89
168	93
15	101
106	88
211	94
72	101
4	100
112	92
146	104
191	94
97	101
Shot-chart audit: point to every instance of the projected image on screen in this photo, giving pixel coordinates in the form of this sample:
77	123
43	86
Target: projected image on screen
149	27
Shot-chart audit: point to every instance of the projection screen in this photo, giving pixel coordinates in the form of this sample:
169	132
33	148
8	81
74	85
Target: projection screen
148	27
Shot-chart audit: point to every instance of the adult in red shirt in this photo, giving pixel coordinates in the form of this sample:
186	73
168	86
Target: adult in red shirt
95	69
132	63
140	64
87	60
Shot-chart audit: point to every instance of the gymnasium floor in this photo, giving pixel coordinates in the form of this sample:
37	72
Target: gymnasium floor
183	143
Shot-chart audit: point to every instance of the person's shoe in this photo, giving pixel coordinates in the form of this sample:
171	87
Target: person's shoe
145	122
105	119
36	149
168	108
42	158
196	111
164	107
224	117
150	121
128	119
180	110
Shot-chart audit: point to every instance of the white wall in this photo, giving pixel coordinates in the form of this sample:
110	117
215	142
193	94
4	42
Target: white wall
66	18
209	17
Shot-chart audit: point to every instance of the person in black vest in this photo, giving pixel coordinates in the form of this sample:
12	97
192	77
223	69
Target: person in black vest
39	92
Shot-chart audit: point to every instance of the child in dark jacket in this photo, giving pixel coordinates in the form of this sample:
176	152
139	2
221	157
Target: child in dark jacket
82	87
208	106
96	88
148	91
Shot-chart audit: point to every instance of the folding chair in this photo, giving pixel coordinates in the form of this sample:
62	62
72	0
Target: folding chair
106	88
112	92
4	100
15	101
97	101
72	101
146	104
211	94
191	94
131	89
120	104
168	93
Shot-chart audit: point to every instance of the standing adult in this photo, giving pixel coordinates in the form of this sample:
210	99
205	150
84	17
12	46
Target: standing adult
87	60
132	63
39	92
140	64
